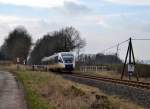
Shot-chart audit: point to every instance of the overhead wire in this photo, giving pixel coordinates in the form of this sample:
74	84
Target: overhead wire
114	46
117	45
140	39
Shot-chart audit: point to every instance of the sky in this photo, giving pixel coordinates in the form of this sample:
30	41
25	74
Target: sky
102	23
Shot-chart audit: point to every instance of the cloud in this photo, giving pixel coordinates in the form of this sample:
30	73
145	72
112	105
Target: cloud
72	9
36	27
5	18
8	23
75	8
131	2
37	3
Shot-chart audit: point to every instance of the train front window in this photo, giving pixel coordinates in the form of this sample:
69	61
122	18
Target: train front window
68	58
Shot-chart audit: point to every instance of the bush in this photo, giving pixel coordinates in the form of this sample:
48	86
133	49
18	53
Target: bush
142	69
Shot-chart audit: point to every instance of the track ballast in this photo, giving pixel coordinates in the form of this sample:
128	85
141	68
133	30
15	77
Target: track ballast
135	84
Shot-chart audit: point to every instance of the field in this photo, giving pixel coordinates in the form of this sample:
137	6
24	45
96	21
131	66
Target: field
115	71
142	69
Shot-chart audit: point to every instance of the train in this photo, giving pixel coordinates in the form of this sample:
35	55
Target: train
62	61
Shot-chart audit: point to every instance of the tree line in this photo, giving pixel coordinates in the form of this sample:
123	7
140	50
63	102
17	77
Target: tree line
99	59
18	44
64	40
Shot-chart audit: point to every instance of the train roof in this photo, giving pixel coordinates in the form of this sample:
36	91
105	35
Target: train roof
56	54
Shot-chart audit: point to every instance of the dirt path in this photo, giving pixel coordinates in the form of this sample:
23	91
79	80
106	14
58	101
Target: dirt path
11	96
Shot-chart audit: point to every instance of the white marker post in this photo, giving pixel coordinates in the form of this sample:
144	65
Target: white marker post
18	61
131	69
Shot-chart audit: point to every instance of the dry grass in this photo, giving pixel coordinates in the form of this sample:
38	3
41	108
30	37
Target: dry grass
63	94
68	95
119	103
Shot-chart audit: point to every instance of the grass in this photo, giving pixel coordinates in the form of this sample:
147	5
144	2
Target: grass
142	69
34	99
115	72
50	91
119	103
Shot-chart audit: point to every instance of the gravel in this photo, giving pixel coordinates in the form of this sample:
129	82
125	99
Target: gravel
140	96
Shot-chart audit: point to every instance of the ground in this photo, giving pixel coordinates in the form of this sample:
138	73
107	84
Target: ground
11	96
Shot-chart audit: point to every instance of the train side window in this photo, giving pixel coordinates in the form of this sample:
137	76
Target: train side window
56	59
60	60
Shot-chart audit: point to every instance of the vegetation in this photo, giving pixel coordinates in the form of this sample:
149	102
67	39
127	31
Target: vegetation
142	69
49	91
2	56
17	45
65	40
98	59
34	100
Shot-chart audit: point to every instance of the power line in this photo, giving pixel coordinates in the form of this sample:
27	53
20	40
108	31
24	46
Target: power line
114	46
140	39
117	45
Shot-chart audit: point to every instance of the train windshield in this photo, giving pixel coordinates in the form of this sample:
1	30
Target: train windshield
68	58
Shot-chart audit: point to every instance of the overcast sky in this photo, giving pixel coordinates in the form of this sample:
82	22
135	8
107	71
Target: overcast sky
102	23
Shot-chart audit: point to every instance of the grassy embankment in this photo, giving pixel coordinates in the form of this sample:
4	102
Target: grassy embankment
51	91
30	84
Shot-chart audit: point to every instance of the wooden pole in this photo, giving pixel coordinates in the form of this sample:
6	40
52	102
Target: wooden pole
131	56
137	74
125	63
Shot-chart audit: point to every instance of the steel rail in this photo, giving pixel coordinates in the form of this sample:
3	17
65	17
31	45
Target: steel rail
135	84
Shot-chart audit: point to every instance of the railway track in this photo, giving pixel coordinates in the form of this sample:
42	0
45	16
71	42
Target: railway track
134	84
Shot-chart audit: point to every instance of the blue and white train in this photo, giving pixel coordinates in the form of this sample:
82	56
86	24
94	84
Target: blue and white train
63	61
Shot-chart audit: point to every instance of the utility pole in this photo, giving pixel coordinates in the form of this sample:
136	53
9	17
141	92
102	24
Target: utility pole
117	53
131	64
65	44
78	52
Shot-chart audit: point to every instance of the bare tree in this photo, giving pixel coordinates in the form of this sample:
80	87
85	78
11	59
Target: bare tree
64	40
